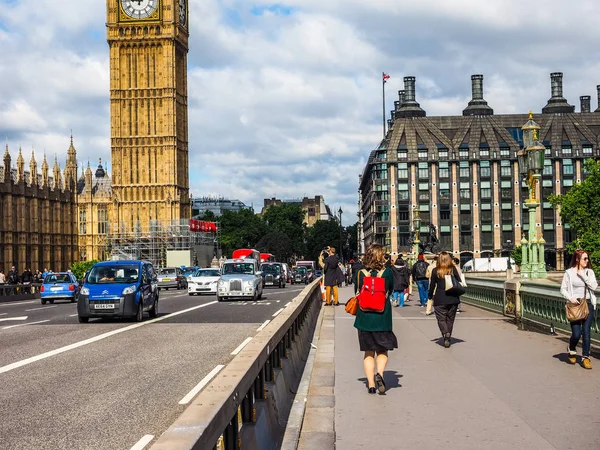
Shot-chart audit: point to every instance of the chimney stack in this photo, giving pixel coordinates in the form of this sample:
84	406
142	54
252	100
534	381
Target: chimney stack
598	89
401	96
557	104
477	106
409	106
586	103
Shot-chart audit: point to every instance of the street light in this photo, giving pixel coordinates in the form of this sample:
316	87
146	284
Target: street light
340	214
416	227
531	163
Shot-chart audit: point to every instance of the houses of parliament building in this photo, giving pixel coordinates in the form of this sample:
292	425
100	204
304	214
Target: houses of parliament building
53	219
461	173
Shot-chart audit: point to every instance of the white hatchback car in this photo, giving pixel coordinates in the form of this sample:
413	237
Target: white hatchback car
204	281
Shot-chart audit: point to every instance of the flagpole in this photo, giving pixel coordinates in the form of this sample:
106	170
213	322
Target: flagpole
383	90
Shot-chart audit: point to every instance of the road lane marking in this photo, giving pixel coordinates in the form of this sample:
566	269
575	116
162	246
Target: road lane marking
73	315
3	314
262	327
24	324
18	303
141	444
190	396
39	309
241	346
277	312
66	348
13	318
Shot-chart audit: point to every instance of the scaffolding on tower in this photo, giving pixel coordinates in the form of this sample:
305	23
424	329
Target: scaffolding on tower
153	242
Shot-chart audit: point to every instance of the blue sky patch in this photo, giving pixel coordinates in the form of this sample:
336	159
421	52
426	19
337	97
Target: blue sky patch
277	9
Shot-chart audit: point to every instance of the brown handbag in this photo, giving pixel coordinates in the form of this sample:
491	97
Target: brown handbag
352	306
578	311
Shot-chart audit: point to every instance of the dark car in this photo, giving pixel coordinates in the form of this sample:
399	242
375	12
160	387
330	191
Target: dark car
299	275
273	274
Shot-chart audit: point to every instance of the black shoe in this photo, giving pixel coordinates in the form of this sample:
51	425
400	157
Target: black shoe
447	340
380	383
372	390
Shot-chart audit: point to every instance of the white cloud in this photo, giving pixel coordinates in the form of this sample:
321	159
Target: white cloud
286	101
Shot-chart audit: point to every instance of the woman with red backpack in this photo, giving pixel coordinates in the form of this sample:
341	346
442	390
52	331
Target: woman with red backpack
374	316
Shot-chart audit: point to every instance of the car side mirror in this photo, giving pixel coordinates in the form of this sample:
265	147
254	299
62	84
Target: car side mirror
258	273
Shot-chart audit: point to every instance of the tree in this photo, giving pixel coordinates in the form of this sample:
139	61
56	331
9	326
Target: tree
80	268
322	234
580	208
277	243
352	239
287	218
517	254
241	229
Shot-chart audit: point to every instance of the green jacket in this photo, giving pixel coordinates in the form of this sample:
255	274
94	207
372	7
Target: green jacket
369	321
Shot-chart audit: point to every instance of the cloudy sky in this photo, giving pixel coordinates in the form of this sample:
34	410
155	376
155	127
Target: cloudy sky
285	98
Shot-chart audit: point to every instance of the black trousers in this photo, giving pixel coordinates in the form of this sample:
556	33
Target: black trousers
445	315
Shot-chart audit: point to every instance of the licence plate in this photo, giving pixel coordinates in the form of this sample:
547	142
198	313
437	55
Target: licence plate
54	289
235	293
105	306
166	279
269	283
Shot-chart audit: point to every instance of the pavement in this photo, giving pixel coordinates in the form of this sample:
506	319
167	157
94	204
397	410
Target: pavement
110	384
496	387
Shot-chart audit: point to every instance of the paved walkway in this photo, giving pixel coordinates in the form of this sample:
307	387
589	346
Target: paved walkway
496	387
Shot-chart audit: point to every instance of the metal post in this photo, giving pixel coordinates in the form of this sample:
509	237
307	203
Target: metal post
524	263
542	260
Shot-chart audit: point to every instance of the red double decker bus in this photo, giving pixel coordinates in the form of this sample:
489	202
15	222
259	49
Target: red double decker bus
267	257
243	253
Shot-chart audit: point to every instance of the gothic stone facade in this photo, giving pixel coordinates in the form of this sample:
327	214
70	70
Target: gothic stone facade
38	221
461	173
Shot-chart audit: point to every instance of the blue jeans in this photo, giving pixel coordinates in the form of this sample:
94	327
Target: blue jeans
582	327
399	297
423	286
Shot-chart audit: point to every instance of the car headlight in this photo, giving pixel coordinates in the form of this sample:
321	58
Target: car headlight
213	282
129	290
249	283
84	291
221	283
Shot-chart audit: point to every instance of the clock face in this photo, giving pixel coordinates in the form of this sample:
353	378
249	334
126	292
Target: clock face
139	9
183	12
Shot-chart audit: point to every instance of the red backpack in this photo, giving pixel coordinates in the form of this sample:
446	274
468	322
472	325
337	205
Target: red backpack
372	296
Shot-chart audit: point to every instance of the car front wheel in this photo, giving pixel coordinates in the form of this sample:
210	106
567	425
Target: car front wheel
140	312
43	301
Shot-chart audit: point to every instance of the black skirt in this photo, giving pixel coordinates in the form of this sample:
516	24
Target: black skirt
377	341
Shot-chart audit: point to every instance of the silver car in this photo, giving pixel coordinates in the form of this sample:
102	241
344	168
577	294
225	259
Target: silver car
240	278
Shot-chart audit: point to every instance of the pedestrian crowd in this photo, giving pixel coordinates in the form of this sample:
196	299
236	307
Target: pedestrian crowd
22	281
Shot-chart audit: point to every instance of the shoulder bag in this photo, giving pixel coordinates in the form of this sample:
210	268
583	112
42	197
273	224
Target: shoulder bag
578	311
454	286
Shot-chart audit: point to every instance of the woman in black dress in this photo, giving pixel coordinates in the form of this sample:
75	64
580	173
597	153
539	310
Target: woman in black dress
375	335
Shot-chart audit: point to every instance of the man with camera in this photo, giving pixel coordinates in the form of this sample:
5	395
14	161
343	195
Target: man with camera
331	277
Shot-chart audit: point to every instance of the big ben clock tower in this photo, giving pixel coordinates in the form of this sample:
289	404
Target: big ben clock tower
148	42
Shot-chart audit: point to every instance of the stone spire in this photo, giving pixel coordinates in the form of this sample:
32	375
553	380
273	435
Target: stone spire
7	164
56	174
88	177
32	170
20	167
45	182
71	167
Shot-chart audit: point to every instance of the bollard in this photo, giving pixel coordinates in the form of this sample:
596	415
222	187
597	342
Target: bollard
248	410
230	436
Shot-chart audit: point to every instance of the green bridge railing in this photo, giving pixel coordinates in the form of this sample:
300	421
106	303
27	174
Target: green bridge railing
486	293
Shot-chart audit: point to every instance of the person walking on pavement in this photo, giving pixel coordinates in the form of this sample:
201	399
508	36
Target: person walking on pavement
578	284
332	277
356	268
401	280
444	304
375	333
419	274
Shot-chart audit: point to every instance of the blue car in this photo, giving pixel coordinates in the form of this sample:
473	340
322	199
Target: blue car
119	289
59	286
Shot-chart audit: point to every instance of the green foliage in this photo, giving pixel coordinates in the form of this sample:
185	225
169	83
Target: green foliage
580	208
322	234
242	229
517	255
80	268
208	216
287	218
277	243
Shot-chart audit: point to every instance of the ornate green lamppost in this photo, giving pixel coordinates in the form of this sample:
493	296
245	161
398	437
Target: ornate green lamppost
531	164
417	227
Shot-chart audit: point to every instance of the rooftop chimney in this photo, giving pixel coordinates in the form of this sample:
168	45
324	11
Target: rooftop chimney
557	104
598	89
477	106
397	105
410	107
401	96
586	103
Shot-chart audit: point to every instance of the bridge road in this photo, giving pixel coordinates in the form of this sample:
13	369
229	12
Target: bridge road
121	381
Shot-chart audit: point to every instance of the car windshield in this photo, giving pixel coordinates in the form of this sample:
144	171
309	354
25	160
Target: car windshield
270	268
57	278
113	274
167	272
301	270
238	268
189	270
207	273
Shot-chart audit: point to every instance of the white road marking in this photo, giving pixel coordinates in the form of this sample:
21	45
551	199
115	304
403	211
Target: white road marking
19	303
190	396
24	324
262	327
44	307
13	318
66	348
3	314
277	301
141	444
277	312
241	346
73	315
